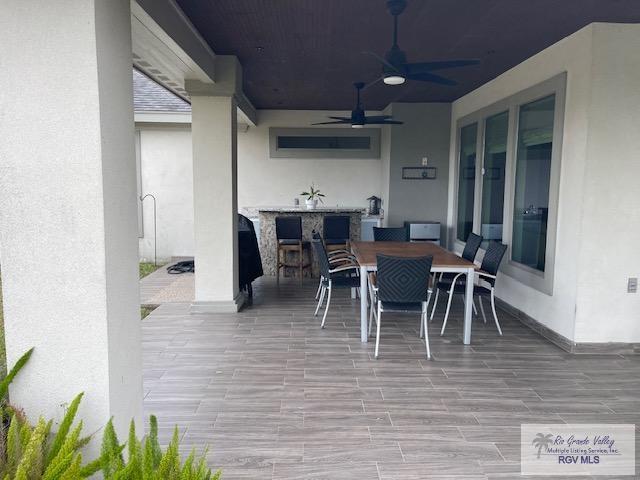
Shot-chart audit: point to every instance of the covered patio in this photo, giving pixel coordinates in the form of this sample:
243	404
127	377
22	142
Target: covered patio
277	397
498	150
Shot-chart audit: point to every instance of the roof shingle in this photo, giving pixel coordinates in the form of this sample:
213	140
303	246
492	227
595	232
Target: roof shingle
149	96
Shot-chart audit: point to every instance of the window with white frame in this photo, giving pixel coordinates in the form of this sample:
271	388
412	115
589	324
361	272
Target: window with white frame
507	179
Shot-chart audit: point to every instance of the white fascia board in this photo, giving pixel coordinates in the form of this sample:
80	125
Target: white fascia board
181	28
162	117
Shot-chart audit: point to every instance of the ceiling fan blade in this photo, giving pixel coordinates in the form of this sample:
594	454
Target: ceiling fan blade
425	67
382	60
341	122
378	118
433	78
384	122
341	118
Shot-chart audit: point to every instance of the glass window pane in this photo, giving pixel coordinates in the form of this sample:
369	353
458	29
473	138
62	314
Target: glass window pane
533	170
466	180
325	143
495	156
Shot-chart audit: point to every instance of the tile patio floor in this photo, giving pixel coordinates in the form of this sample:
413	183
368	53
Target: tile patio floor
276	397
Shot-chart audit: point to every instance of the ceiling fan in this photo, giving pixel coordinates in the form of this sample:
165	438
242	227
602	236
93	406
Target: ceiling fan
358	119
395	68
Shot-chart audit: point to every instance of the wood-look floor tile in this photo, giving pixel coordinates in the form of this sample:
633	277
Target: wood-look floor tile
439	469
483	405
325	471
276	397
454	451
324	433
342	419
417	433
433	418
404	406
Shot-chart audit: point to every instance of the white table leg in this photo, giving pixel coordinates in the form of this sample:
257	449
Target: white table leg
468	307
364	278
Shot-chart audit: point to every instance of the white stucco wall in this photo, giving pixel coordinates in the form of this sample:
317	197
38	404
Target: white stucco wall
67	210
611	216
266	181
601	116
167	173
425	133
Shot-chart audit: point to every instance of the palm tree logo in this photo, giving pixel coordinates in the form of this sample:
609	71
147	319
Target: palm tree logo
541	441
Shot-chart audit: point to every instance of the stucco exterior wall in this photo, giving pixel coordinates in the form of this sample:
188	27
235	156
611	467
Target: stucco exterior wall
425	133
167	173
611	216
264	181
598	162
67	210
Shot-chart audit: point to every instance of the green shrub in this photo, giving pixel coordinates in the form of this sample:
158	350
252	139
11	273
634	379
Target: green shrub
147	461
4	384
34	453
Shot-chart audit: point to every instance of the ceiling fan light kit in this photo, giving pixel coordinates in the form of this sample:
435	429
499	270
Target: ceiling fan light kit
394	80
395	67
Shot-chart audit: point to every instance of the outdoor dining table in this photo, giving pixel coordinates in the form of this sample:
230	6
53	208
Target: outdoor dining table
443	261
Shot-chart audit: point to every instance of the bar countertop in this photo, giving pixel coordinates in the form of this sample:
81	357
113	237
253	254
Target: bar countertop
312	220
318	209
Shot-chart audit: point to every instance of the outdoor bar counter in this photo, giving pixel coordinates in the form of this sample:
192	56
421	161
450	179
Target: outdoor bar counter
311	220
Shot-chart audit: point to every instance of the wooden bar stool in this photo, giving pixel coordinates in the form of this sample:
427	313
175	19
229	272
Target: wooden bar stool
289	237
336	232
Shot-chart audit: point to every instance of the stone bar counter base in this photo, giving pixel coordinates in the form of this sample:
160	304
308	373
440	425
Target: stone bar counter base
311	220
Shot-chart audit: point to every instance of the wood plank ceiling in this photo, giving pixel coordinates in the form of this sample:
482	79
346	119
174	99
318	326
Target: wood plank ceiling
305	54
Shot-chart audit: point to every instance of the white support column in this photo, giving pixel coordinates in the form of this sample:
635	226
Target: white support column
68	224
214	137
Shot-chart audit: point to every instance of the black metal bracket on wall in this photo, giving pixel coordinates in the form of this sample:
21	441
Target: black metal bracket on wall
419	173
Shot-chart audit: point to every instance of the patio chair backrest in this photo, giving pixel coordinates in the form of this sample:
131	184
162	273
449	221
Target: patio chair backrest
492	259
389	234
336	227
403	279
289	228
321	257
471	247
